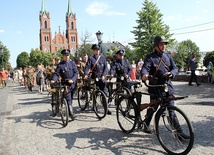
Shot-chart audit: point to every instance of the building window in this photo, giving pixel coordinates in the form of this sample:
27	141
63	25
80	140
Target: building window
46	24
72	39
72	25
46	38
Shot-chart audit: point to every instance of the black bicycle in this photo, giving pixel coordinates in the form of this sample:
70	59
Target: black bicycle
176	138
121	87
90	93
59	103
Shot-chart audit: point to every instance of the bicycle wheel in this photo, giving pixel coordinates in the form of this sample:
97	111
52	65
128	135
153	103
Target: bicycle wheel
82	98
64	112
100	104
54	104
124	90
174	132
127	114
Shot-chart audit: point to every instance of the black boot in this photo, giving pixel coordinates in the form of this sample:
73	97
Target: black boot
146	127
71	113
180	134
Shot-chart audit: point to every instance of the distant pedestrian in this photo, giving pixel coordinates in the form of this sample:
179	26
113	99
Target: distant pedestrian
30	78
4	76
140	65
40	77
193	65
134	71
20	76
210	72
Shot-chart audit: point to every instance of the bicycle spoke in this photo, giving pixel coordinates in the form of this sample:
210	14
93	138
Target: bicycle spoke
126	115
175	133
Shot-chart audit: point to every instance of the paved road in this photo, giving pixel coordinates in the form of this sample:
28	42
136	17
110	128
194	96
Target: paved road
27	127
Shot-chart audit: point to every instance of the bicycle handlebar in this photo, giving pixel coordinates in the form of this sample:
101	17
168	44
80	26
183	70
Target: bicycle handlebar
152	86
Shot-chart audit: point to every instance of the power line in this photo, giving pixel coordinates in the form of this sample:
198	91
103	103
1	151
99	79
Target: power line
192	26
194	31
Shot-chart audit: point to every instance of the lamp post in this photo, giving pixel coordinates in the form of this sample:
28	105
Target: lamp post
1	51
99	38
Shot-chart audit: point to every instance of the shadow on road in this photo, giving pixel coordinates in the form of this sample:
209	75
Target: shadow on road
110	139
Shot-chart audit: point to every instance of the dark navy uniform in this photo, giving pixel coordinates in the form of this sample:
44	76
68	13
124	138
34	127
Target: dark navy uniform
121	67
99	70
67	70
167	64
159	64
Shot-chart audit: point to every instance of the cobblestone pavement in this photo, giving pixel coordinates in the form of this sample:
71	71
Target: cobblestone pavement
28	128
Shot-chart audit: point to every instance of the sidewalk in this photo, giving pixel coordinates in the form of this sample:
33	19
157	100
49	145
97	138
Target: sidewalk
28	127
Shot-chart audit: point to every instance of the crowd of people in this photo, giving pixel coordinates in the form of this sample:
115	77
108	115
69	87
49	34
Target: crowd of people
158	63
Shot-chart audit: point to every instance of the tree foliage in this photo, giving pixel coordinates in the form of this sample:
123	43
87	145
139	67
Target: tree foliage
4	57
208	57
149	25
184	53
22	60
85	48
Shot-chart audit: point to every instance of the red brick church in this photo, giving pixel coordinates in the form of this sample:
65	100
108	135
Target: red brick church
68	40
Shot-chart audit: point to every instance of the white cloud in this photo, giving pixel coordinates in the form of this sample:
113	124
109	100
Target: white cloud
2	31
98	8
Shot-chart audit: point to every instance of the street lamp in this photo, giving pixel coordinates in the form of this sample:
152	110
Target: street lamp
1	51
99	37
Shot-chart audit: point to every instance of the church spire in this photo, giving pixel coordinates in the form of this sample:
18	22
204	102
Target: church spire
69	8
43	8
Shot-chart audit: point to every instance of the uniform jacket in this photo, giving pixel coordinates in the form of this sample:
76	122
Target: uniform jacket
151	64
67	71
192	63
99	70
121	67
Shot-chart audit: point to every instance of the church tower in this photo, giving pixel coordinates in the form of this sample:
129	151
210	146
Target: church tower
45	29
71	28
60	40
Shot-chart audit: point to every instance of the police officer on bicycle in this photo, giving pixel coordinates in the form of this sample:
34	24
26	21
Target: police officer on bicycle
96	68
162	67
68	72
121	67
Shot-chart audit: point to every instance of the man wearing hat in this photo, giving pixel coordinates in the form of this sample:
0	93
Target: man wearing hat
96	67
121	67
68	72
162	67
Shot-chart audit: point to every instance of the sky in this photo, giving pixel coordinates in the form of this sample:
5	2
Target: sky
20	25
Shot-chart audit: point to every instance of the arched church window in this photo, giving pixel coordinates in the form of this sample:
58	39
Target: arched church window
46	24
72	25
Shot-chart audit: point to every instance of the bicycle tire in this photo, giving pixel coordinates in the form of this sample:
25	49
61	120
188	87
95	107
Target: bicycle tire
53	105
100	104
82	97
125	90
64	112
175	138
127	114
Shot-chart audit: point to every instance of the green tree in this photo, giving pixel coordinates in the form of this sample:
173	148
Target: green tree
4	56
185	50
208	57
85	48
22	60
36	57
149	25
47	56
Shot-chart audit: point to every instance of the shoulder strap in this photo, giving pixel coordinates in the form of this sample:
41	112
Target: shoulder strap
157	68
95	63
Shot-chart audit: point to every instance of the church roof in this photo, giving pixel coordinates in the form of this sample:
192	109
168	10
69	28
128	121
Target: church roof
43	8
